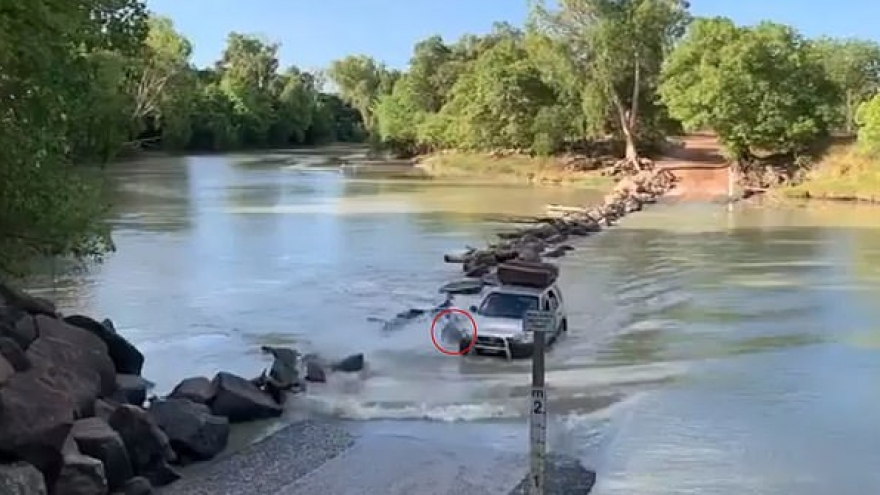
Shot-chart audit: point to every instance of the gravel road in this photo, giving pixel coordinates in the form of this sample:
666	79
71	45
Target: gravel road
333	458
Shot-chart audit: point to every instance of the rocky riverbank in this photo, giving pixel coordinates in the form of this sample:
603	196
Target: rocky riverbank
74	414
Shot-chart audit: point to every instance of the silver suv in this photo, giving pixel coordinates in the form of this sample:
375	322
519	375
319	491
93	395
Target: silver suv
499	317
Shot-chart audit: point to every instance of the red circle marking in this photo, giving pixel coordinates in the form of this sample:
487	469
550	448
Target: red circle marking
460	352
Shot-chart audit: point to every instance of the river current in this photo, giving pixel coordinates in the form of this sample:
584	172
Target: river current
708	352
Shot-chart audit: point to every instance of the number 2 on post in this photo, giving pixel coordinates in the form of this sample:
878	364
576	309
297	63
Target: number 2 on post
538	406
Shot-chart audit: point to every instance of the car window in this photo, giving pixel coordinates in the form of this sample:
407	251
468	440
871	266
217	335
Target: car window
501	305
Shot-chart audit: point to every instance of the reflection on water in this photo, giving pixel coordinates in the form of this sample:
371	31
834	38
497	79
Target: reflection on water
707	352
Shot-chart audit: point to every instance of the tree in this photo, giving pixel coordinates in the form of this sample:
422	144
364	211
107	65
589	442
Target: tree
868	120
758	88
853	65
52	58
361	80
614	49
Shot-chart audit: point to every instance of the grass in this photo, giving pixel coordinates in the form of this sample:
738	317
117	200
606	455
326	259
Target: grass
843	174
478	167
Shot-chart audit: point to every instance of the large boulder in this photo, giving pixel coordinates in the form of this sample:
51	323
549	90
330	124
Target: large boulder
132	389
148	447
21	478
95	438
73	360
195	433
198	389
37	415
137	486
240	400
14	354
126	357
81	475
23	331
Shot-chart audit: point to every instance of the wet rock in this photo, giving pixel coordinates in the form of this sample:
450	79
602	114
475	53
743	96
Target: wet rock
557	252
95	438
108	324
240	400
126	358
6	371
195	434
315	371
137	486
14	354
147	445
21	478
563	475
81	475
197	389
132	389
284	372
350	364
73	361
15	298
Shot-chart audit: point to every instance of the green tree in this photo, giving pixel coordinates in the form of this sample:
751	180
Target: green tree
868	121
853	65
361	81
758	88
51	57
614	50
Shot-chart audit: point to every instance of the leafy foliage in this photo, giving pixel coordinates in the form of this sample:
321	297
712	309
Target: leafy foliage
868	120
757	87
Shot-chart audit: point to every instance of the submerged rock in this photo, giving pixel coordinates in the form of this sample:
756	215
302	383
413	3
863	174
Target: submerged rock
350	364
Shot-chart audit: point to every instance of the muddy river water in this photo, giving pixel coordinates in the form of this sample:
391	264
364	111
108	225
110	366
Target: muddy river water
709	352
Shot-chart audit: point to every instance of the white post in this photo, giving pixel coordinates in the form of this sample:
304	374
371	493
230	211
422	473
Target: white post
538	322
730	184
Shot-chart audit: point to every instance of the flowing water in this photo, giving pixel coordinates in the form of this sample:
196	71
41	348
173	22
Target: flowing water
708	352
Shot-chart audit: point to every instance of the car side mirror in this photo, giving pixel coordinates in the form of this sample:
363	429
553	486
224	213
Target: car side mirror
473	309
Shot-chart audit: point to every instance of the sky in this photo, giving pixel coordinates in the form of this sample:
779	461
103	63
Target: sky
312	33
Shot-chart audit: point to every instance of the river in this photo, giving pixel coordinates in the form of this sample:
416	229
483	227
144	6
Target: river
708	352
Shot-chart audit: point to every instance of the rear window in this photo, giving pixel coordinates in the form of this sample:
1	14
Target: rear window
501	305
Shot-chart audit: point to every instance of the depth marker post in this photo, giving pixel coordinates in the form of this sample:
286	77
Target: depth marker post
538	322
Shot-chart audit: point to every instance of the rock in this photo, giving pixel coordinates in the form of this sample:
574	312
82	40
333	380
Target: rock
315	372
132	389
197	389
137	486
104	408
240	400
350	364
81	475
23	332
127	359
6	371
147	445
21	478
36	418
14	354
563	475
74	361
284	372
195	434
26	302
108	324
95	438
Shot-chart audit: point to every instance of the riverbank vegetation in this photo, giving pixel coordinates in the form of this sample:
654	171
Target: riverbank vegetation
581	84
